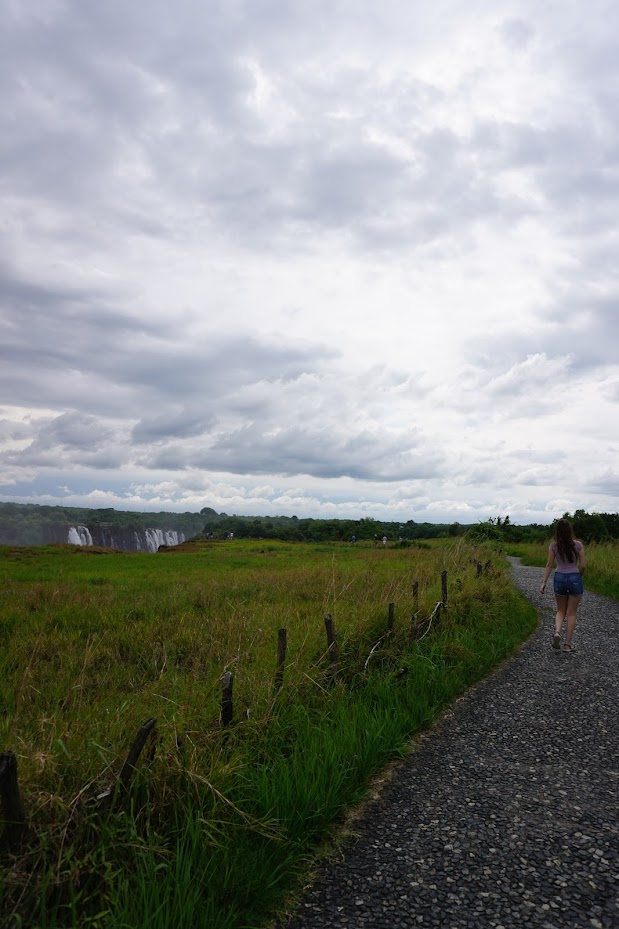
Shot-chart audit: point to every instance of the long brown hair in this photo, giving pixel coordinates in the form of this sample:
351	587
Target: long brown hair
565	541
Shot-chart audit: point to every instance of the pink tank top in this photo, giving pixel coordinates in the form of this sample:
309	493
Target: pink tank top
565	567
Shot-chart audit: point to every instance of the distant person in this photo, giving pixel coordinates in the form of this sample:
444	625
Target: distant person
353	540
569	555
375	539
384	540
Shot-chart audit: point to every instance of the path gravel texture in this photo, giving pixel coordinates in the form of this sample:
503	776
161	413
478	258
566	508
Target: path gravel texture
507	813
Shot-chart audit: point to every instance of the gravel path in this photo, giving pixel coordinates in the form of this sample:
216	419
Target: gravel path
507	813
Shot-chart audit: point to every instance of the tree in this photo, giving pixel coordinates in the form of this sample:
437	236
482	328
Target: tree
590	527
485	532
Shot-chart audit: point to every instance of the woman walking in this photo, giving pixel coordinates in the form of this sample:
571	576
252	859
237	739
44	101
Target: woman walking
569	554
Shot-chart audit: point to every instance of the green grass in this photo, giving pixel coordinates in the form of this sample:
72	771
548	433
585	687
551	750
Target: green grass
601	573
220	827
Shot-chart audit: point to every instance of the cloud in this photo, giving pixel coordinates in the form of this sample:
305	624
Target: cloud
517	33
605	483
75	436
535	373
279	255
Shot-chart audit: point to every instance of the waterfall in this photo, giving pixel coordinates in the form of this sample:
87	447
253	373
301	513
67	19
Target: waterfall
154	538
124	540
79	535
157	537
172	537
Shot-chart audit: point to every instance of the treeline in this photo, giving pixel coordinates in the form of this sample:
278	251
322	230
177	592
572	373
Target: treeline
588	527
26	524
293	529
594	527
32	524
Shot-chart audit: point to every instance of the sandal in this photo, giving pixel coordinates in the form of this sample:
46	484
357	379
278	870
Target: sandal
556	640
569	648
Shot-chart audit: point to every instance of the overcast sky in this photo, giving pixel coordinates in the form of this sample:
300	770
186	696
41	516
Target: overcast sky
313	257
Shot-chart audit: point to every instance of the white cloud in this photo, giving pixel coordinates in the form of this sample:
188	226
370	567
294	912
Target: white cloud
267	257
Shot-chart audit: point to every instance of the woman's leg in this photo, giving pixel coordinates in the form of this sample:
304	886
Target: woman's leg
562	605
572	606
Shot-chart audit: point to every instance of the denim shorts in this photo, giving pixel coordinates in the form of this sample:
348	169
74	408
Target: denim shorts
568	584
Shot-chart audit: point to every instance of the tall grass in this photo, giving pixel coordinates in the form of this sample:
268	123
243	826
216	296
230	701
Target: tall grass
601	573
220	827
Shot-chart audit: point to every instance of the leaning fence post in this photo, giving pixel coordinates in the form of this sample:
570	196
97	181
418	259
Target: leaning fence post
11	801
281	658
331	644
127	770
444	587
391	617
227	710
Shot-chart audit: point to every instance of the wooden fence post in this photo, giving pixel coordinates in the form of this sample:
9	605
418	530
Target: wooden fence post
331	644
11	801
416	596
144	733
281	658
444	587
479	569
227	709
391	617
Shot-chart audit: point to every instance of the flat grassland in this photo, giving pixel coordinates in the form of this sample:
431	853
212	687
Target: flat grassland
218	824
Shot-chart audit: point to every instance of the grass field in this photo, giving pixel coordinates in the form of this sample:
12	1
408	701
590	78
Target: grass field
219	826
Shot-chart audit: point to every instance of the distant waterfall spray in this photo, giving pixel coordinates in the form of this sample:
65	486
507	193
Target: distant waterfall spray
79	535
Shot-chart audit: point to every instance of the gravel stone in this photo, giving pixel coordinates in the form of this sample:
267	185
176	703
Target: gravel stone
506	814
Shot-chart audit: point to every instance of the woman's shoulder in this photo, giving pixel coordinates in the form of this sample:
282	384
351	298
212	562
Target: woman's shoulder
579	545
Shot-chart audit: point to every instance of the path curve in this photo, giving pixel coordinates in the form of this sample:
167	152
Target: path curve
507	812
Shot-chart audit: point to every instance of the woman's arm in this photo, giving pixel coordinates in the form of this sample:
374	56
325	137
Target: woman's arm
582	561
547	569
